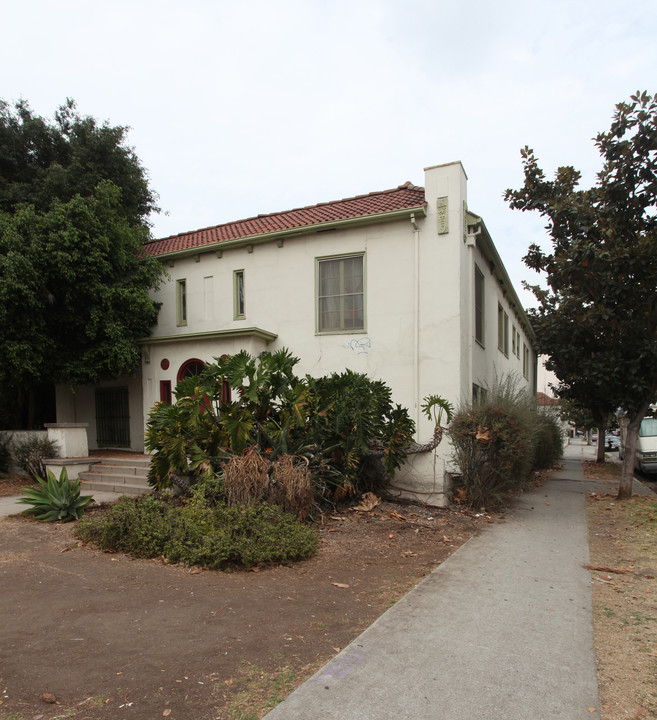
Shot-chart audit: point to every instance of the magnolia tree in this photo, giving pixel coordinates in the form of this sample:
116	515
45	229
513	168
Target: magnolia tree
597	316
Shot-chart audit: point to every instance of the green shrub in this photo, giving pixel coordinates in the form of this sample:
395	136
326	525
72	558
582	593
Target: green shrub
138	526
198	533
29	455
55	499
352	414
5	453
333	423
494	443
491	450
548	441
248	535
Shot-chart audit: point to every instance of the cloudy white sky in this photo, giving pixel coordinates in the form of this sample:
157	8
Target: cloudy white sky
240	108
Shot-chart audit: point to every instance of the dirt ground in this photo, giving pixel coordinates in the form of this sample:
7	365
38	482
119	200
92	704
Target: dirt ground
107	636
623	554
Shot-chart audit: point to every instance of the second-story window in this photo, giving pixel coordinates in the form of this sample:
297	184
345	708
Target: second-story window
341	294
181	302
239	304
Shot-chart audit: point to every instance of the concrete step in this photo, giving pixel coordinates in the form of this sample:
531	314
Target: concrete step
125	476
88	487
112	469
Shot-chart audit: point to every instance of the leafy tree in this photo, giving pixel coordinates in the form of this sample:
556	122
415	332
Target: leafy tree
597	319
42	160
581	346
74	292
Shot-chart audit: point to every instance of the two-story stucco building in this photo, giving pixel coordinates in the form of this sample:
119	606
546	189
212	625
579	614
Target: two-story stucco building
403	284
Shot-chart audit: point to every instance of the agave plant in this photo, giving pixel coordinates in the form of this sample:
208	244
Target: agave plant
55	499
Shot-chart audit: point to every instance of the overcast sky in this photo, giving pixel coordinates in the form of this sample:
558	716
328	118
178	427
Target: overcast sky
241	108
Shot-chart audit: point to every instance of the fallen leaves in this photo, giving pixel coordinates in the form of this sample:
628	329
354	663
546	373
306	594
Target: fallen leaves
602	568
367	502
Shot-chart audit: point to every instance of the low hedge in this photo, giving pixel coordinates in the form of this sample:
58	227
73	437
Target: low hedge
197	533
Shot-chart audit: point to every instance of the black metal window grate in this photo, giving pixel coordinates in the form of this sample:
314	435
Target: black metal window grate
112	417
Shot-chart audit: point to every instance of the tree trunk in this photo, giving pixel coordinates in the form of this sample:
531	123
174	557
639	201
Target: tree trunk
602	430
627	476
629	450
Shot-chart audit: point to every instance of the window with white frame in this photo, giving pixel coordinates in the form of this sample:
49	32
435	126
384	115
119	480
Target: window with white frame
341	294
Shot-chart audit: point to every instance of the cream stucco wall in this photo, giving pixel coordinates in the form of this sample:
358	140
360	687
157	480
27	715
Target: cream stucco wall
419	310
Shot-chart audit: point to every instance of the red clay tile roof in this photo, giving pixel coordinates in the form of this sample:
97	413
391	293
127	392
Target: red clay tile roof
400	198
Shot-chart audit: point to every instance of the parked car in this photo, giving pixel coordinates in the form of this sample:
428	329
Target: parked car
612	442
645	458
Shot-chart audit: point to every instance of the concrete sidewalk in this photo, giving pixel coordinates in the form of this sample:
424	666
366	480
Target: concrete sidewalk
502	630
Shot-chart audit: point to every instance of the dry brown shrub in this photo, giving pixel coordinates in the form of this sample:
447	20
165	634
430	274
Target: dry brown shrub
290	487
245	477
251	477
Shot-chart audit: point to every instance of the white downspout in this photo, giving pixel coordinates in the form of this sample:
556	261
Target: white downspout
470	244
416	322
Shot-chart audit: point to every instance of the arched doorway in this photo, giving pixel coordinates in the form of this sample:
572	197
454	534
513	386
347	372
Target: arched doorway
193	367
190	368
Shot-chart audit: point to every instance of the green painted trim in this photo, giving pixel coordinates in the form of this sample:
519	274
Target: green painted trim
255	332
284	234
237	315
181	302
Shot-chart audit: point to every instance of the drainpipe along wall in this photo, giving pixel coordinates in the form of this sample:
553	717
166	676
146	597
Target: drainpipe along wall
416	322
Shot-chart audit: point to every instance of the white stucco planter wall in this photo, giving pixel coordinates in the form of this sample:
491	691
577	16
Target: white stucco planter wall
70	437
422	479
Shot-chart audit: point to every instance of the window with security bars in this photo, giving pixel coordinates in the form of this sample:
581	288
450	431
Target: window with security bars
340	294
112	417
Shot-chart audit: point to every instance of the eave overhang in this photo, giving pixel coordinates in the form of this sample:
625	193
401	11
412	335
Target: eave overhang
277	235
250	332
489	251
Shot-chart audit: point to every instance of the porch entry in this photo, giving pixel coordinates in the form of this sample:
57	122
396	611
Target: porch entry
112	417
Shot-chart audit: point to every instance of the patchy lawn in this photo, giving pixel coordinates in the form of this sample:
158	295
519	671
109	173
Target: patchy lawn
623	547
107	636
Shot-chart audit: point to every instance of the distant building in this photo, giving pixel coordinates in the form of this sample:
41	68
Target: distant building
546	380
